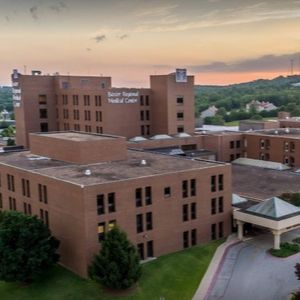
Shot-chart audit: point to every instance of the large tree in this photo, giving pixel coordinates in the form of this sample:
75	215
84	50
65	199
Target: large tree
117	265
26	247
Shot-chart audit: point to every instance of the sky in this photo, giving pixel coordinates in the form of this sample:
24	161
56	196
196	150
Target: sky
218	41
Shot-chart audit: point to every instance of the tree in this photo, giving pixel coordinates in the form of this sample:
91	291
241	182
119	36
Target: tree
256	117
297	272
117	264
26	247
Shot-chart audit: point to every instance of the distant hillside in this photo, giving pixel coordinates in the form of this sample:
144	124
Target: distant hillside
280	91
6	98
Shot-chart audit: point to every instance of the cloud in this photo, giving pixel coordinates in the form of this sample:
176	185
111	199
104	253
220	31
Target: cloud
58	7
100	38
123	36
264	63
34	12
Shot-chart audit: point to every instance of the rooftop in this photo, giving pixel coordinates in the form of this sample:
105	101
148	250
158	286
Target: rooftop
263	183
76	136
287	132
156	164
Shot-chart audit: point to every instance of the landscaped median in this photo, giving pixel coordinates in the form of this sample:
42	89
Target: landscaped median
174	276
286	249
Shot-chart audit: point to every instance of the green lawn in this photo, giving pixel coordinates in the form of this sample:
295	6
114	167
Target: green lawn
232	123
174	276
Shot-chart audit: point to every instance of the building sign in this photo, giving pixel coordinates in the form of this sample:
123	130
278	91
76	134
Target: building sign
181	75
16	90
122	97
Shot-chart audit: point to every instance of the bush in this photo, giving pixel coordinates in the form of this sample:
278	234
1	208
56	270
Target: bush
117	265
26	247
286	249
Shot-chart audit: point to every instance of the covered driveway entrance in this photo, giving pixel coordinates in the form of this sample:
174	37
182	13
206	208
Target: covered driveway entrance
275	214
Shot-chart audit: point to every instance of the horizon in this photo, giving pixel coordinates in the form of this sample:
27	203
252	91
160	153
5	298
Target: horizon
219	42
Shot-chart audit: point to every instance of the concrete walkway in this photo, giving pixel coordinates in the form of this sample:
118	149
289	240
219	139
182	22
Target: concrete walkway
213	267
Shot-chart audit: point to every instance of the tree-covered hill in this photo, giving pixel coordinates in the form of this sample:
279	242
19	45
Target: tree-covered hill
281	91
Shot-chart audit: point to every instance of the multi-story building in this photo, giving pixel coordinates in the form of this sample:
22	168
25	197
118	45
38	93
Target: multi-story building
82	184
91	104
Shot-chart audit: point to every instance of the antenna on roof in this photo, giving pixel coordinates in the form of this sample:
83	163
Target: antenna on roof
87	172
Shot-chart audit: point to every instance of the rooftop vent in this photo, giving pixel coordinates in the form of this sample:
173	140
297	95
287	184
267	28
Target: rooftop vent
143	162
287	130
36	72
276	131
88	172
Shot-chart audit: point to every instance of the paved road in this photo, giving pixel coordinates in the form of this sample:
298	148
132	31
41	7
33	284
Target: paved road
249	273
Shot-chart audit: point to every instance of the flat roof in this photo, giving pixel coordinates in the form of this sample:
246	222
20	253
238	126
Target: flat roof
288	132
76	136
156	164
263	183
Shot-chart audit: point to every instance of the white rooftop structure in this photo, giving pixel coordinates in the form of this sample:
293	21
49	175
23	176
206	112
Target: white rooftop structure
236	199
182	135
160	137
260	163
137	139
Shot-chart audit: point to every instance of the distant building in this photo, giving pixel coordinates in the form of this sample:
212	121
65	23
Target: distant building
4	115
260	106
210	112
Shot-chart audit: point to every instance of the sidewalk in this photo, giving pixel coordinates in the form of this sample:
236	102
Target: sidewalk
213	268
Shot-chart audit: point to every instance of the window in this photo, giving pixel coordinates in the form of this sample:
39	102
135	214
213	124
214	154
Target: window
193	210
25	188
148	129
180	129
10	183
231	157
99	129
44	217
180	116
184	189
12	203
268	144
98	101
292	146
286	146
43	197
75	100
27	209
150	249
292	161
185	239
221	204
262	144
87	115
138	197
193	187
213	183
88	128
142	130
185	212
221	182
231	144
149	225
179	100
139	223
140	248
98	116
86	100
221	230
148	194
101	231
167	192
194	237
111	203
111	224
147	115
147	100
213	232
65	114
142	115
100	204
65	99
44	127
43	113
213	206
141	100
238	144
42	99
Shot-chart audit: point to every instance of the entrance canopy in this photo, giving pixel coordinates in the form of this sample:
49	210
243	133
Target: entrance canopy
274	214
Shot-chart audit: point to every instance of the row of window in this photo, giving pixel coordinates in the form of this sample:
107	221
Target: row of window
76	115
44	215
78	127
217	234
217	205
140	222
235	144
214	187
144	100
143	197
145	115
103	227
145	250
189	188
86	100
189	238
145	130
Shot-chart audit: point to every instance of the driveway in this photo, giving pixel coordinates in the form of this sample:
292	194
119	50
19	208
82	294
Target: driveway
248	272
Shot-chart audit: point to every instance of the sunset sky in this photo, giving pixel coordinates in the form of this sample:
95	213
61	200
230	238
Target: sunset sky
219	41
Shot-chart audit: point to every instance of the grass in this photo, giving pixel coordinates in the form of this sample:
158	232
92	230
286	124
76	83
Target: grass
286	249
232	123
174	276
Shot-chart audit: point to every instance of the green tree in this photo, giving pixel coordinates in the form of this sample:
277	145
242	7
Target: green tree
117	265
26	247
10	131
256	117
